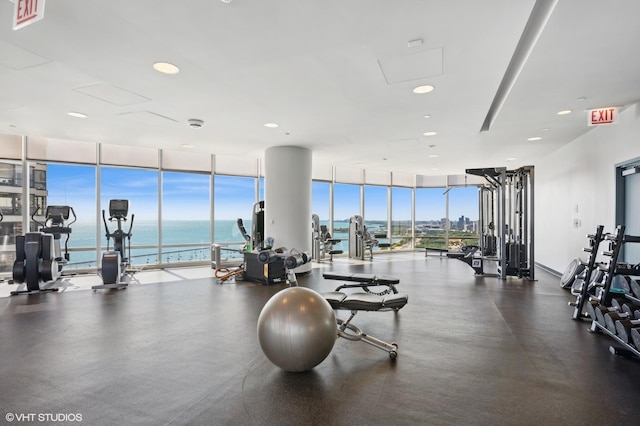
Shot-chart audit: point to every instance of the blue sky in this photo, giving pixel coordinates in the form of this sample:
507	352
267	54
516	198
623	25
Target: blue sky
186	196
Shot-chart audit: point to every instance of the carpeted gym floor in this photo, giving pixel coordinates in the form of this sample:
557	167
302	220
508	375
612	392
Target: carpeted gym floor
178	348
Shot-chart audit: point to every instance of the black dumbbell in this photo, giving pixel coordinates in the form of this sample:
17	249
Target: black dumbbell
635	337
625	327
610	319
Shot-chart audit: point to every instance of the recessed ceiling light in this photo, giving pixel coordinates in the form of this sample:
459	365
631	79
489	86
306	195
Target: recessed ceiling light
535	138
565	112
186	145
77	114
430	133
271	125
582	98
166	68
423	89
546	129
433	156
427	116
511	158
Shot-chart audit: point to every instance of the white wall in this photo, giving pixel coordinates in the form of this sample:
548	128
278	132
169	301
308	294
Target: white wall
577	182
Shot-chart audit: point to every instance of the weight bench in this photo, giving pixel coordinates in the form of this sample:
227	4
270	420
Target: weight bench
437	250
365	302
364	281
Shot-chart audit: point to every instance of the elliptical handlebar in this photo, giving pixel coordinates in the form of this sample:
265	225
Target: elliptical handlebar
130	226
33	217
106	227
74	216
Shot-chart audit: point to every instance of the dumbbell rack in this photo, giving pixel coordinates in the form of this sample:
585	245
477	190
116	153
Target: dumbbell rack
594	243
611	269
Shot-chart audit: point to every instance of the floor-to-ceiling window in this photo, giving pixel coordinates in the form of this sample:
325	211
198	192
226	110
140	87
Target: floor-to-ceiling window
401	218
463	217
321	207
346	204
140	188
375	213
185	217
11	209
234	199
431	218
75	186
320	202
186	204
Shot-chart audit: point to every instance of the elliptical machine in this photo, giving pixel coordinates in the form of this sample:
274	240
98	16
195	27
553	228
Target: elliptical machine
39	257
116	261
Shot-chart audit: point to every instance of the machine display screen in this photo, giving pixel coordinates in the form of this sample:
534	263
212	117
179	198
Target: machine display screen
118	208
58	211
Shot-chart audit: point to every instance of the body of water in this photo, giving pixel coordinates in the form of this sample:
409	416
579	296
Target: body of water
145	233
83	241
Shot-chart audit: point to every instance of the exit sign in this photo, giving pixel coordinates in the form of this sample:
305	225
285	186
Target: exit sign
26	12
601	116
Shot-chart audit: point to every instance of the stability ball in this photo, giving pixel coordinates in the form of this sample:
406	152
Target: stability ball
297	329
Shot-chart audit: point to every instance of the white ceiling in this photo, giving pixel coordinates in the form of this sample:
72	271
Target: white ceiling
336	75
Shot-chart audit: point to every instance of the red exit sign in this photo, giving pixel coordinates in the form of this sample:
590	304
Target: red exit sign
603	116
27	12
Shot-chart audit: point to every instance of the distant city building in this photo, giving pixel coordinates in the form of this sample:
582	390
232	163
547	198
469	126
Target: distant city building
12	206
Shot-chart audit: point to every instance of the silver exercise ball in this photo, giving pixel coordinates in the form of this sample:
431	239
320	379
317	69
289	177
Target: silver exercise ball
297	329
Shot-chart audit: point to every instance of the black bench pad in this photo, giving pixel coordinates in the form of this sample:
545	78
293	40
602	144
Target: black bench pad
363	278
365	301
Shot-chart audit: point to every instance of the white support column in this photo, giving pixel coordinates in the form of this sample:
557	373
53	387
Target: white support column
287	198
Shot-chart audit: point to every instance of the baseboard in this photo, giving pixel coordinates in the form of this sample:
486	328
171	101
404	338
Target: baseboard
549	270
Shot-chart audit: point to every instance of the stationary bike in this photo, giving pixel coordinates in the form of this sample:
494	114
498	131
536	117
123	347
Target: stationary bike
39	258
116	261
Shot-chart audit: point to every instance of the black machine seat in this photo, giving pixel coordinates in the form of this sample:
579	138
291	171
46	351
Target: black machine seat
364	281
330	243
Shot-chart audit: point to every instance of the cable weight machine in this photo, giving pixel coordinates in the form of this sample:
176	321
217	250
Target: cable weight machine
506	222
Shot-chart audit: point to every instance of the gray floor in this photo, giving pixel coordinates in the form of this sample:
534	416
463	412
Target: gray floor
473	351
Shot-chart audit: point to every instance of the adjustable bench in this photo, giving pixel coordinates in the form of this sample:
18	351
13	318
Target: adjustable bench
437	250
365	302
364	281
